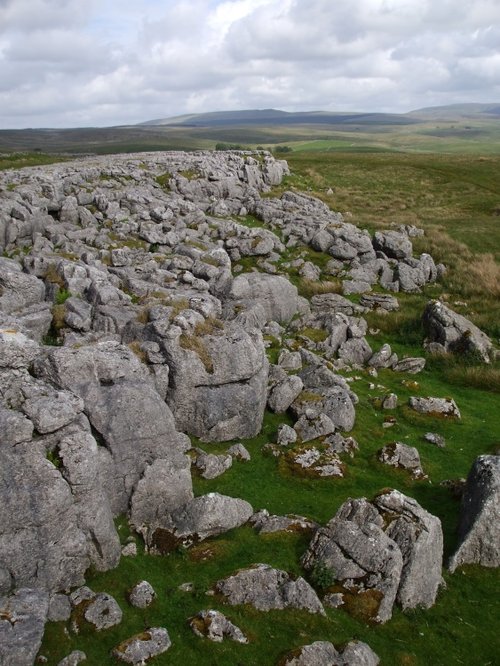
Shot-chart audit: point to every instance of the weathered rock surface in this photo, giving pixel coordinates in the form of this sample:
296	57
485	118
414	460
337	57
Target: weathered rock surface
454	333
265	523
381	552
199	519
266	588
220	395
22	622
144	646
479	527
402	456
142	595
324	653
215	626
73	659
441	407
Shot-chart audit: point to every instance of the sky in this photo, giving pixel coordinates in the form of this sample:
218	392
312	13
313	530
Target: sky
76	63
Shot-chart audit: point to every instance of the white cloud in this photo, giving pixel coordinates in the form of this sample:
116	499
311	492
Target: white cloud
68	62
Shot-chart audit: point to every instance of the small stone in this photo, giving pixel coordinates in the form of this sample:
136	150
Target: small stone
215	626
141	647
390	401
73	659
333	599
142	595
129	550
239	452
436	439
103	612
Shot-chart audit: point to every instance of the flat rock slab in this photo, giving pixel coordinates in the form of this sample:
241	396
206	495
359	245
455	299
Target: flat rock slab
266	588
440	407
141	647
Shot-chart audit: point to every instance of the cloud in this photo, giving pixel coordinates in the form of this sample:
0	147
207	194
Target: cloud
66	63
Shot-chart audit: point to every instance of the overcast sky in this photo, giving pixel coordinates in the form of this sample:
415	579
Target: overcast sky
71	63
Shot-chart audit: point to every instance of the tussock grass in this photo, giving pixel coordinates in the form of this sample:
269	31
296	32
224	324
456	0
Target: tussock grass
309	288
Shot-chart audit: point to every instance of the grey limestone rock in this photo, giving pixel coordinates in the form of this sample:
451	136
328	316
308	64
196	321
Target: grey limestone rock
144	646
22	622
142	595
284	393
312	425
355	351
211	465
286	435
266	588
59	608
265	523
379	302
383	358
390	401
479	527
364	559
410	365
402	456
239	452
386	550
165	486
393	244
103	612
454	332
445	407
215	626
52	410
436	439
16	349
275	294
199	519
226	399
420	538
73	659
324	653
357	653
15	427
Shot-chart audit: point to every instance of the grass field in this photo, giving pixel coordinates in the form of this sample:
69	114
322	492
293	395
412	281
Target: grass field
455	198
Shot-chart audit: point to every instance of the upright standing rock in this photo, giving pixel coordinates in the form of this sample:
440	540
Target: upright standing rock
479	528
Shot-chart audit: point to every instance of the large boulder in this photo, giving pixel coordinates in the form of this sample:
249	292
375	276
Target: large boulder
452	332
274	293
218	382
120	401
380	552
479	527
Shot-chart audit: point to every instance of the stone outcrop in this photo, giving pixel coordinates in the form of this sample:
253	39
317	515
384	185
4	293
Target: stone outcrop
380	552
479	527
448	331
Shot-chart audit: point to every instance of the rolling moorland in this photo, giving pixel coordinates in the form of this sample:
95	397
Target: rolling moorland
441	176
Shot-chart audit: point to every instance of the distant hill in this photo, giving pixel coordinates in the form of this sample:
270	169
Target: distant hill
456	128
270	117
457	112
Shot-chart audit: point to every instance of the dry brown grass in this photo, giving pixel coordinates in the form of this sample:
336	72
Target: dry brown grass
195	344
309	288
211	326
135	346
51	275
